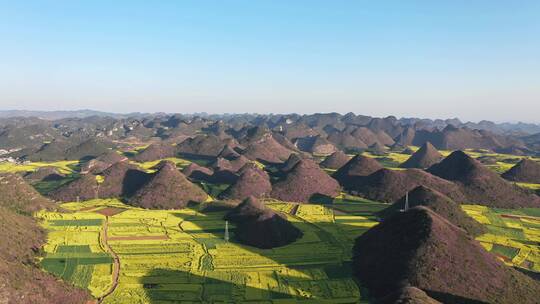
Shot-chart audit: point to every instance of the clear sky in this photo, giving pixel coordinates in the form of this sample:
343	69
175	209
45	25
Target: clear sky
468	59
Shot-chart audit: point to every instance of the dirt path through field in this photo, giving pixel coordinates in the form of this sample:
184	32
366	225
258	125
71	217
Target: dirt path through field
527	217
116	261
294	209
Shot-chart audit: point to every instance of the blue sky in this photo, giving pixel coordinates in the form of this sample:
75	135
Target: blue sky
468	59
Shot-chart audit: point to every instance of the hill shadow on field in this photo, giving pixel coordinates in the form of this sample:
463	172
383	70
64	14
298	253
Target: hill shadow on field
266	291
322	199
450	298
219	210
133	180
201	160
185	286
532	274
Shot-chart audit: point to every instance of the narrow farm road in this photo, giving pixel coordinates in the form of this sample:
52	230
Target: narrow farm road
116	260
294	209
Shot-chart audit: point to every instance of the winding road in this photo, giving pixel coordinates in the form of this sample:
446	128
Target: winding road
116	261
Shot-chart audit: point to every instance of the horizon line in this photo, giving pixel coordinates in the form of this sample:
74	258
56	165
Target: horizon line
269	113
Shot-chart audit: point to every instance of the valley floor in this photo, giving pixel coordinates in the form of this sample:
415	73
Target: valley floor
181	255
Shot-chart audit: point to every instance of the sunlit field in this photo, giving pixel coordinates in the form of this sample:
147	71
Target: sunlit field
513	234
171	255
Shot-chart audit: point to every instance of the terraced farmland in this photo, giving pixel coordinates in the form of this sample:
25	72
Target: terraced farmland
65	166
74	250
147	166
181	255
514	235
123	254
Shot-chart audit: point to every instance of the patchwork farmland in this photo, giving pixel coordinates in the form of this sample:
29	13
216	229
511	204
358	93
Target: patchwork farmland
181	255
166	256
125	254
513	235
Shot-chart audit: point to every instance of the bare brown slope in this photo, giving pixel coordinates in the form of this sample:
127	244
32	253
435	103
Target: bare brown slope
441	204
253	181
284	141
358	166
407	295
425	157
231	164
526	171
291	162
304	181
336	160
388	185
102	162
408	151
454	138
195	171
167	189
155	152
421	249
377	149
21	281
87	149
406	136
366	136
44	174
84	187
384	138
346	141
204	145
267	149
112	157
94	166
16	194
121	179
259	226
69	149
228	152
315	144
481	185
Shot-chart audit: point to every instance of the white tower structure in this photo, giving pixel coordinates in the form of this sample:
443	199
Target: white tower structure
226	231
406	205
406	201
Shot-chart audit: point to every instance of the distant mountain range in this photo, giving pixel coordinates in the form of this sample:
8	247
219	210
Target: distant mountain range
518	128
41	135
53	115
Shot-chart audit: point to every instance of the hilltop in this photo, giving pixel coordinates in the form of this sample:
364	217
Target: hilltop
303	181
388	185
252	181
439	203
421	249
21	279
481	185
358	166
168	188
259	226
526	171
424	158
335	161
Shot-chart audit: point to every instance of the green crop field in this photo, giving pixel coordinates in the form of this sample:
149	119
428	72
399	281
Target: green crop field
74	251
513	234
147	166
46	186
168	256
502	162
173	256
65	166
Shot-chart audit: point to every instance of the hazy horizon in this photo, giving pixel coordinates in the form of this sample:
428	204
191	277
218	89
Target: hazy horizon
268	113
475	61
